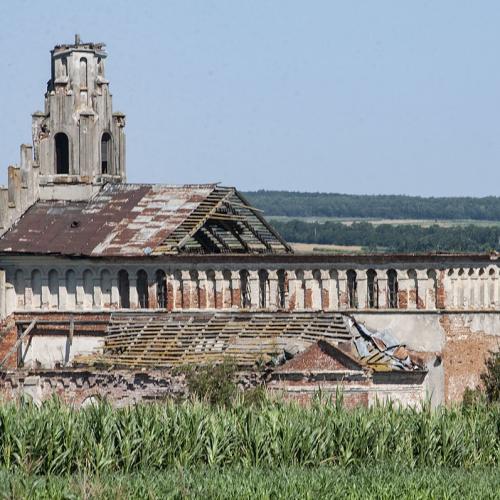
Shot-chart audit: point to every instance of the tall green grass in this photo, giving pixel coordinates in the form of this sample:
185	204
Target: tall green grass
379	482
56	439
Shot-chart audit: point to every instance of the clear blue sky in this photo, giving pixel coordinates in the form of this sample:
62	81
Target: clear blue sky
342	96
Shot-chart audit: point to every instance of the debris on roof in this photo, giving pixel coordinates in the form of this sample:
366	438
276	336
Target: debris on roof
138	219
163	340
379	350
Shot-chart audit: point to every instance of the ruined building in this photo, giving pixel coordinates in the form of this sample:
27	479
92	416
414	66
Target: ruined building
105	286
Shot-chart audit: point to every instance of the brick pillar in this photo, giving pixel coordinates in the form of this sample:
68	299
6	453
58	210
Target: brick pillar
202	296
325	290
186	290
227	285
235	290
219	290
403	289
422	284
441	292
310	284
171	286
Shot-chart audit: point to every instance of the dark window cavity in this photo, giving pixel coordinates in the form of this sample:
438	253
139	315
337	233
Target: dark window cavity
124	289
62	153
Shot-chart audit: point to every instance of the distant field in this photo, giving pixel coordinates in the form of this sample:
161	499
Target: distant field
319	248
396	222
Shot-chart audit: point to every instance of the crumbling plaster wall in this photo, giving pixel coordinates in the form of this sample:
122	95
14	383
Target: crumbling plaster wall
453	346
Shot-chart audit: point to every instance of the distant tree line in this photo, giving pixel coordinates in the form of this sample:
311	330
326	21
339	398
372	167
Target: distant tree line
396	238
294	204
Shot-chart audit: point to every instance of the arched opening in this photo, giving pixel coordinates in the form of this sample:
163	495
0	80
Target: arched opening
245	289
282	288
106	153
372	285
142	289
124	289
352	288
263	288
62	153
83	73
161	289
392	289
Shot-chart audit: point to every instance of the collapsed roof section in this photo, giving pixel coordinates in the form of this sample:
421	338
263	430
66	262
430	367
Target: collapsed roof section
138	219
163	340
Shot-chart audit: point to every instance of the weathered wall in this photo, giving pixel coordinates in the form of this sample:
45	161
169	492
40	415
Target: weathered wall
48	283
82	386
453	346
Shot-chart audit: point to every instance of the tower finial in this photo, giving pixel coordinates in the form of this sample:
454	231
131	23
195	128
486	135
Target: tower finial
77	39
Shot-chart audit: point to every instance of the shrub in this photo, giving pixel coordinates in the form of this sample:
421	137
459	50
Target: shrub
213	383
491	377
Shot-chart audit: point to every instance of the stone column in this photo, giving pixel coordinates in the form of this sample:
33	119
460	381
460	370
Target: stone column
362	289
63	293
325	290
115	294
3	298
485	285
97	293
134	297
342	287
273	290
227	286
403	289
382	288
333	292
422	285
253	280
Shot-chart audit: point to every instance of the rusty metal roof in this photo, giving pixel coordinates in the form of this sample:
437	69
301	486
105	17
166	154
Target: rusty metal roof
138	219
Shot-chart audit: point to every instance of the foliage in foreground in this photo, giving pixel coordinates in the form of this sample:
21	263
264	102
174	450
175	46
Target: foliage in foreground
57	439
286	483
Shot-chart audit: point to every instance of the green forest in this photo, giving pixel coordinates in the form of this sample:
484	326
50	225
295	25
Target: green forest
296	204
393	238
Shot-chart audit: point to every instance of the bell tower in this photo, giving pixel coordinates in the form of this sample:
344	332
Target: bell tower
78	142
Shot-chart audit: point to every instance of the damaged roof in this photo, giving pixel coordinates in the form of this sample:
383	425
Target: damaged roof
162	340
141	219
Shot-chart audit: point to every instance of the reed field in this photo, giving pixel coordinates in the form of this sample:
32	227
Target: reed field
195	450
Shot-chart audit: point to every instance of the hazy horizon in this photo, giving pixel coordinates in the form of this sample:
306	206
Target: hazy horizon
340	97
